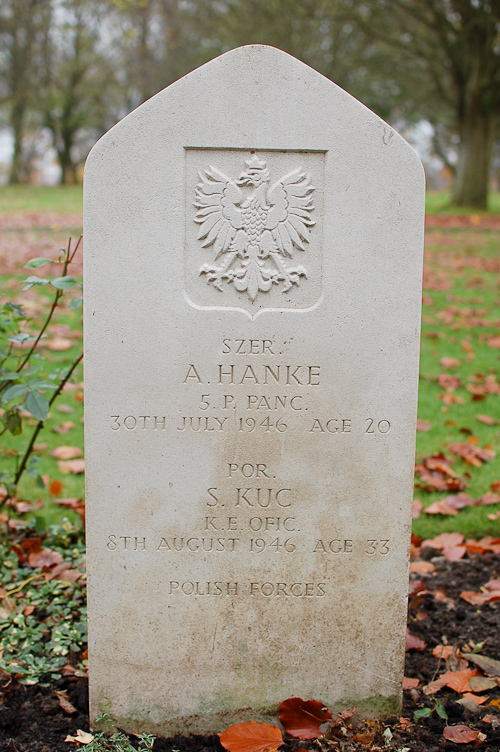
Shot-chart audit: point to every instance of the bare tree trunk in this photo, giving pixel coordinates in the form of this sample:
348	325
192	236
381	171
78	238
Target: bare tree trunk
477	132
17	123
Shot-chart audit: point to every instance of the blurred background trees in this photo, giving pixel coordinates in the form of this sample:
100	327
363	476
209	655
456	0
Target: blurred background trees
69	69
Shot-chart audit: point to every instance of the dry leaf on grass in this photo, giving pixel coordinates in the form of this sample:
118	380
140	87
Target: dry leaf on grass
71	466
416	509
81	737
55	487
44	558
302	718
487	419
64	427
65	409
58	344
449	362
440	507
423	425
66	452
251	737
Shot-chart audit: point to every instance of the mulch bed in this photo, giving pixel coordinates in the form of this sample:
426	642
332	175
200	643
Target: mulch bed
31	719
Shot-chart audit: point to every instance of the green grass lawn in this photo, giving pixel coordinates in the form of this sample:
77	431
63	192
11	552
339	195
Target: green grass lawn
439	202
69	200
35	198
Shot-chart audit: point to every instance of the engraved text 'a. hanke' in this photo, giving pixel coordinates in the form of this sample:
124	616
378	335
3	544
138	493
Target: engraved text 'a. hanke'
256	226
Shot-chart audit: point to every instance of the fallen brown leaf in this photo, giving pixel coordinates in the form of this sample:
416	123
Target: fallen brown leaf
251	737
71	466
413	642
302	718
46	558
487	419
461	734
81	737
442	651
423	425
482	683
488	666
459	680
66	452
440	507
409	683
64	702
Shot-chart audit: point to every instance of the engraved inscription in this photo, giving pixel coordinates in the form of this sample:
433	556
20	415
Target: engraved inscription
252	227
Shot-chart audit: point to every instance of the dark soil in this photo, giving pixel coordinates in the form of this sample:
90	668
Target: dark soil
31	719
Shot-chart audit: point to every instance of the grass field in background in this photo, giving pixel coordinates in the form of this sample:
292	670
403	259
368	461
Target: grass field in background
34	198
68	200
461	314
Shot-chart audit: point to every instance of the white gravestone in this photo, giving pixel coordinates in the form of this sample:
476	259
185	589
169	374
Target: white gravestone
253	255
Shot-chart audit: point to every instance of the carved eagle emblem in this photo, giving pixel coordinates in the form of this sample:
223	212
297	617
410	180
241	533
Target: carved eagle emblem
253	227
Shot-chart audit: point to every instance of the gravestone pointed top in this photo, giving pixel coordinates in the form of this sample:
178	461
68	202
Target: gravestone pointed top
253	258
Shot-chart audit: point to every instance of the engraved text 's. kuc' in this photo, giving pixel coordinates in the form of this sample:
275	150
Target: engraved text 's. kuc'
255	225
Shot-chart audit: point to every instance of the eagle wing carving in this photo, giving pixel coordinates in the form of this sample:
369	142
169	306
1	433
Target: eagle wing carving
218	213
289	216
253	227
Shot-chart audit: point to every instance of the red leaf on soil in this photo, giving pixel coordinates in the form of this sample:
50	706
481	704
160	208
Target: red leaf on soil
410	683
44	558
442	651
413	642
422	567
454	553
346	714
445	540
433	687
251	737
474	598
492	585
302	718
460	734
459	680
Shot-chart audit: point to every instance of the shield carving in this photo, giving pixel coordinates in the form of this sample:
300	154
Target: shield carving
253	229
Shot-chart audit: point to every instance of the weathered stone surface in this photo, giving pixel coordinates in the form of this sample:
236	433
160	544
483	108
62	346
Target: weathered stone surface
253	244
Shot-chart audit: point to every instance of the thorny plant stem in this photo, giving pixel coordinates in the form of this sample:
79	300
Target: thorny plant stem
38	428
68	258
